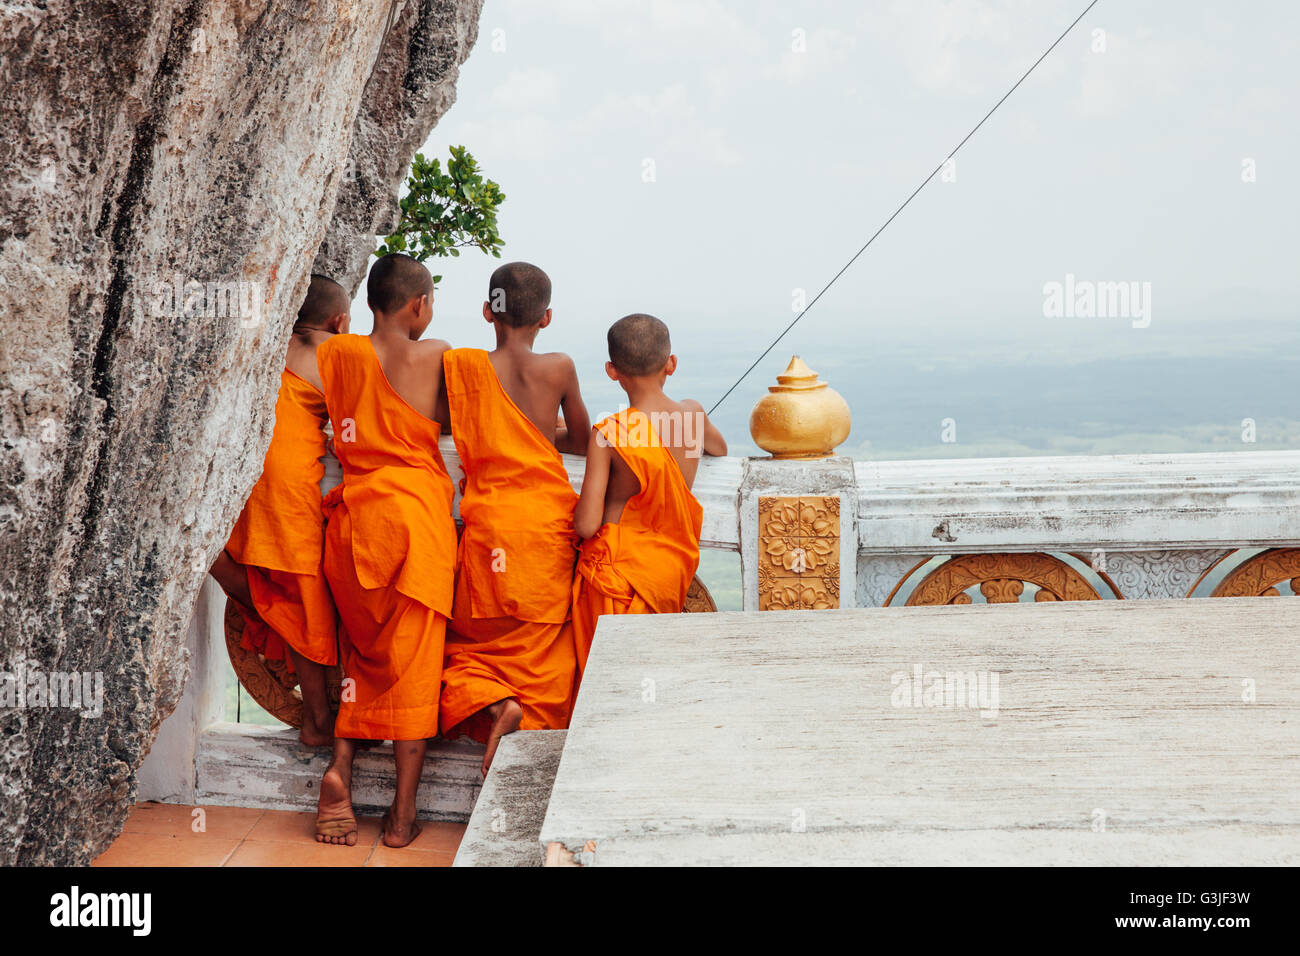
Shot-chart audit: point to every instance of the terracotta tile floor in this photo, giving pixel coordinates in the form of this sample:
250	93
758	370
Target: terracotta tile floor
162	834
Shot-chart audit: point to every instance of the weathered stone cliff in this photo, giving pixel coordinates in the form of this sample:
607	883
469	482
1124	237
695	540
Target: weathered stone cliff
170	169
412	86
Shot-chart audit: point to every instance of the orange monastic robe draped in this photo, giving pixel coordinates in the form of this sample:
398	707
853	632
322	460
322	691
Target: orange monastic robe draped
508	636
389	548
279	536
643	564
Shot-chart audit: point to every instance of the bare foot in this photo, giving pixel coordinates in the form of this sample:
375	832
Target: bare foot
317	720
506	715
335	821
315	731
399	834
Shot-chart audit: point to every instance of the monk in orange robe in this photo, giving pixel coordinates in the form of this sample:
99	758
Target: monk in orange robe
390	544
271	566
510	657
640	522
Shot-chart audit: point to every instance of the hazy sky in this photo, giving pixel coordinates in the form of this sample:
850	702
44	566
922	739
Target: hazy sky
772	166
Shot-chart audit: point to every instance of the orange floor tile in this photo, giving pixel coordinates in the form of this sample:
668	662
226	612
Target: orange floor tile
167	834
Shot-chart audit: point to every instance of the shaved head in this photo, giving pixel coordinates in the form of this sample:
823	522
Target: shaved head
639	345
325	298
395	280
519	294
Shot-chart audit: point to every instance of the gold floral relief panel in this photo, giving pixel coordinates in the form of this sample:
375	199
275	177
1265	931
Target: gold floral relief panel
799	553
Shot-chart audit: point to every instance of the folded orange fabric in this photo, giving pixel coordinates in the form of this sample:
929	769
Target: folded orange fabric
389	548
645	563
279	536
507	636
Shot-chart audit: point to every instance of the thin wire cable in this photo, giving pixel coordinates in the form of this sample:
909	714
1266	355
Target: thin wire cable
924	183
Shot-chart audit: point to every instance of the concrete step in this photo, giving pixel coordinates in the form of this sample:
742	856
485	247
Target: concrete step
506	824
242	765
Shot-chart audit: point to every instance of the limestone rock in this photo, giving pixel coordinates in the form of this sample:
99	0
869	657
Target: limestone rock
170	169
414	84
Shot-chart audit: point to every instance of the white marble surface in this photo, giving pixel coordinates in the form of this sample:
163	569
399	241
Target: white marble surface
1120	738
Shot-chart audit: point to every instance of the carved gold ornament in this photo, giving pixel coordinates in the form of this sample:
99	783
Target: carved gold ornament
1259	576
698	599
798	553
1001	579
270	683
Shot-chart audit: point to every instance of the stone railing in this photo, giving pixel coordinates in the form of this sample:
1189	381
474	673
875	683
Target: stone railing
840	533
999	530
833	532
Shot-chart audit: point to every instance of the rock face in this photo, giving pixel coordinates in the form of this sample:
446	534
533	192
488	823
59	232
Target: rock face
412	86
171	168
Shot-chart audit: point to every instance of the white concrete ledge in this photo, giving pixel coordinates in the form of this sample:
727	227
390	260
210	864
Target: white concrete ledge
1129	502
506	825
241	765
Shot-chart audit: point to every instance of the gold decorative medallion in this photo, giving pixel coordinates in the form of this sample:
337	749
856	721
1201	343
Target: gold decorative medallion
1001	579
798	553
1259	576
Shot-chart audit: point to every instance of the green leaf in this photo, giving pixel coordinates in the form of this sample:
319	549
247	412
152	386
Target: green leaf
442	213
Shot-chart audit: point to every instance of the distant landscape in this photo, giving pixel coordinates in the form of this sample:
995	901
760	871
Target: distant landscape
1025	390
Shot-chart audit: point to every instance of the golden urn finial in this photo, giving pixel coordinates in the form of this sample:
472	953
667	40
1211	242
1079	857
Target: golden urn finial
801	417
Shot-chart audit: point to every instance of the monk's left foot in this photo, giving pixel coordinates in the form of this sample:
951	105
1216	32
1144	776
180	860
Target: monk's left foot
399	833
506	715
335	821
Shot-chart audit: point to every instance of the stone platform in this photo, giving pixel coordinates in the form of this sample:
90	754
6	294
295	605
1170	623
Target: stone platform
1122	733
507	821
240	765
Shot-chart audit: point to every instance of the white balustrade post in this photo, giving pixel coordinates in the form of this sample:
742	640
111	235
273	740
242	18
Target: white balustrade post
798	533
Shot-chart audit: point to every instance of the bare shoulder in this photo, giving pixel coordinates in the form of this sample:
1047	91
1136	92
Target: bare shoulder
689	406
559	362
430	350
301	357
554	367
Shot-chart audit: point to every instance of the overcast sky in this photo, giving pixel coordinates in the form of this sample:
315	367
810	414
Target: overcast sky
772	165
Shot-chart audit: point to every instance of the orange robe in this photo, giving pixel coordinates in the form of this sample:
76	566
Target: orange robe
389	548
508	636
645	563
279	537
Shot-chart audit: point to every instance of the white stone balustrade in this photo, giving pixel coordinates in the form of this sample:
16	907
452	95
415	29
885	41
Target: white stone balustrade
1152	525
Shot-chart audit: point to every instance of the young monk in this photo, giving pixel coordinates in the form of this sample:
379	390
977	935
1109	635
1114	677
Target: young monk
640	522
271	566
390	544
509	649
